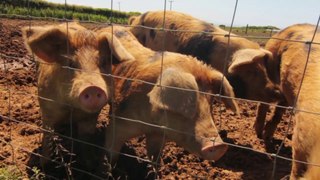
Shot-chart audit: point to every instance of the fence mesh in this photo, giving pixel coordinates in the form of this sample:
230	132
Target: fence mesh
14	119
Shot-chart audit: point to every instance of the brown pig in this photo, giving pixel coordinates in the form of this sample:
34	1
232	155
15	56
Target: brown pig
71	88
245	62
300	82
187	113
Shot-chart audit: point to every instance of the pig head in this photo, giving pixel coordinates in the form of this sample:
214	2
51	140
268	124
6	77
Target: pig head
248	76
144	108
187	114
72	65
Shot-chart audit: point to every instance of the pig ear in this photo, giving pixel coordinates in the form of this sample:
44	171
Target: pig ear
246	57
107	40
273	68
176	100
48	43
131	19
230	103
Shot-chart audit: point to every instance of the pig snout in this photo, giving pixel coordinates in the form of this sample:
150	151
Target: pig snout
274	93
213	150
93	98
277	93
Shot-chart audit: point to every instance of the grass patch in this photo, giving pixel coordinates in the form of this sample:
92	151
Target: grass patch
259	34
41	8
10	172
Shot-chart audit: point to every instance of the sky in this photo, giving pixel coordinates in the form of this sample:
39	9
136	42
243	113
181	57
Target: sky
279	13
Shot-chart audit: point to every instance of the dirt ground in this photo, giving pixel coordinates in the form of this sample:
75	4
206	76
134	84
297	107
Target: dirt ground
20	137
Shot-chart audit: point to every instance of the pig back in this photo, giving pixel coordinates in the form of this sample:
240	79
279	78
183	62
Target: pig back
187	35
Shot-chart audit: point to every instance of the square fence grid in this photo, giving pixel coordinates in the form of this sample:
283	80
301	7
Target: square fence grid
6	91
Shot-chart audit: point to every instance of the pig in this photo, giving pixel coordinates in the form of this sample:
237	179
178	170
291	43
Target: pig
72	91
187	113
245	63
300	83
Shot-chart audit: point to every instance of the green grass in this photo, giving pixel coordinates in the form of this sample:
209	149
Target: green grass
10	173
41	8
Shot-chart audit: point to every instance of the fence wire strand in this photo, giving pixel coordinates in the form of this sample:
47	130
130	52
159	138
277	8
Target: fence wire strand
113	117
160	83
153	28
155	84
151	125
226	61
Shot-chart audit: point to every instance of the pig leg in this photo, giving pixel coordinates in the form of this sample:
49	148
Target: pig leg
271	125
299	153
54	156
88	132
48	145
45	150
117	133
260	119
154	143
298	169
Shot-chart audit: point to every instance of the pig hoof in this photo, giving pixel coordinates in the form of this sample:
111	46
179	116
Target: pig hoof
214	151
258	130
267	136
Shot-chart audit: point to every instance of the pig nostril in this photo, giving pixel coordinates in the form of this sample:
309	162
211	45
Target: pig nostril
92	98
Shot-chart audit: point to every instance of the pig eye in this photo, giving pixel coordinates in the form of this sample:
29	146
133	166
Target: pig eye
103	62
69	61
253	73
265	61
72	63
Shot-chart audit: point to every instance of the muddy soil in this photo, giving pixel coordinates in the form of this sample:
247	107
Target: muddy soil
20	128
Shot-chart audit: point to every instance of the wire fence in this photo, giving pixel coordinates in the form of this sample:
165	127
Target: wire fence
9	90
